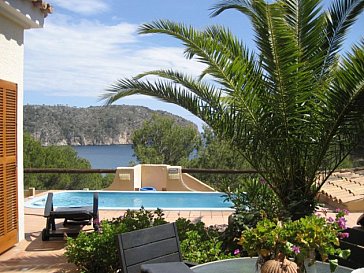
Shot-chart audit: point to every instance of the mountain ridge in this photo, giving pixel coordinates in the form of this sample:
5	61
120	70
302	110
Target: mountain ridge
94	125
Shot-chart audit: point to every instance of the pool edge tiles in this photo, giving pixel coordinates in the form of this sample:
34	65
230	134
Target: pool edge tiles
189	201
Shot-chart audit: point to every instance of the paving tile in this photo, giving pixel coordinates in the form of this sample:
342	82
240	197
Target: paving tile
216	213
184	213
195	213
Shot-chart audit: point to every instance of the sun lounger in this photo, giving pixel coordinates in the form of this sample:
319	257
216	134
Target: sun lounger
78	216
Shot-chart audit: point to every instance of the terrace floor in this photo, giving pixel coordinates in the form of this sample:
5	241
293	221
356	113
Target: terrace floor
34	255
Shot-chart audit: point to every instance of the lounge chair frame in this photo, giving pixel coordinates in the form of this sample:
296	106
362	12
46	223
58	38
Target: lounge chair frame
71	215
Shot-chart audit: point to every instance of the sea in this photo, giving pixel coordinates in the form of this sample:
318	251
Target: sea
107	156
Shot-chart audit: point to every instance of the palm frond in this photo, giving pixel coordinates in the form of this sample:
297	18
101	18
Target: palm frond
344	108
207	93
244	6
309	23
171	93
341	16
215	47
227	60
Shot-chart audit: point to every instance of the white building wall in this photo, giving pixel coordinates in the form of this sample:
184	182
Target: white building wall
11	69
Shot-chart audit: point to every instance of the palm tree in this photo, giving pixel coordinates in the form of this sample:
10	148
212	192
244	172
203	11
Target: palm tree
293	107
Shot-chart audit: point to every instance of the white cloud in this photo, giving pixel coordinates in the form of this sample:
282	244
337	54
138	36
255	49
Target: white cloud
84	58
86	7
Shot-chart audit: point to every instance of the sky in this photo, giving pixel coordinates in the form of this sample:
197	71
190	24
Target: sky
86	45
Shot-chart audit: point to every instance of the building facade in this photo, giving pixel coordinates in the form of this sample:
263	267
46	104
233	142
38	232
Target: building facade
15	17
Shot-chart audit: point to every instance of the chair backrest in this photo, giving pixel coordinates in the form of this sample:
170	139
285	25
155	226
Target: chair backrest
151	245
95	207
49	205
360	220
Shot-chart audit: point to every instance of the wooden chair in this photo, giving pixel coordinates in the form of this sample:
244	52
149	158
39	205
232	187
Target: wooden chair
159	244
72	216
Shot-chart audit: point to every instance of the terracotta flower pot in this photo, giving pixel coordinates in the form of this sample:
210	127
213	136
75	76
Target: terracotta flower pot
279	265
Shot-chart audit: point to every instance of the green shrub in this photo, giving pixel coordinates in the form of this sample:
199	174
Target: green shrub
200	244
95	252
184	225
139	219
195	249
253	200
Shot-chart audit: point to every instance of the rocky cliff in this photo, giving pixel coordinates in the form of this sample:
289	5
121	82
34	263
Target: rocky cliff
95	125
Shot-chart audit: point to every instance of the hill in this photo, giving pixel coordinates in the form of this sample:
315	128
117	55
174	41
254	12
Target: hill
95	125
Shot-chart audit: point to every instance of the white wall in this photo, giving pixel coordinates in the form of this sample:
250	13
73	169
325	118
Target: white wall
11	69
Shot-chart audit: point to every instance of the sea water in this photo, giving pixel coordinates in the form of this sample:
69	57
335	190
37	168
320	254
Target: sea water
107	156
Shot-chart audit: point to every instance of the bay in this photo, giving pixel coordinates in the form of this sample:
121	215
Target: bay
107	156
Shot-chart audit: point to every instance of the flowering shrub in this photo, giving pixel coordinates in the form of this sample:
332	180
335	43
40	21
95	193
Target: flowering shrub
300	239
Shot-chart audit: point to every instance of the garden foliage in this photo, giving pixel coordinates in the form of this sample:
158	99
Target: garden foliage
38	156
98	251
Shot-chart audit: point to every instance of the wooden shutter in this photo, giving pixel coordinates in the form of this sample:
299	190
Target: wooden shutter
8	166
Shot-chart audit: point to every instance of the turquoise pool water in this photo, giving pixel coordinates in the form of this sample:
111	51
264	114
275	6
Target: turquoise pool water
134	200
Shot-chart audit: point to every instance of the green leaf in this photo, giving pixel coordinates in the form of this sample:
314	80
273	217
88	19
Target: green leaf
344	253
333	264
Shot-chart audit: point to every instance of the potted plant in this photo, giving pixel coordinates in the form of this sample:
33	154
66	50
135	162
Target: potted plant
298	240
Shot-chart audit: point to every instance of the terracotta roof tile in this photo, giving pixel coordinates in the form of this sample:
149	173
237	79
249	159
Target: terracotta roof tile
345	187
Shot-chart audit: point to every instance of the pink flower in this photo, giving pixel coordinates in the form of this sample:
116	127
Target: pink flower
341	222
346	212
330	219
296	249
343	235
236	251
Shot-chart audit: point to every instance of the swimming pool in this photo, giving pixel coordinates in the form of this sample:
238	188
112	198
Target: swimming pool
134	200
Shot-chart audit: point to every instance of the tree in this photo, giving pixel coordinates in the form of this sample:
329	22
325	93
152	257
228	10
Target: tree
36	156
215	153
162	141
294	108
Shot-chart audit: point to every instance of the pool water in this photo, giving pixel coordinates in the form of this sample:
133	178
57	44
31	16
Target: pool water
135	200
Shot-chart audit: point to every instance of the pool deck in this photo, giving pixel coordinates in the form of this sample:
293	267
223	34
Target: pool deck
34	255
